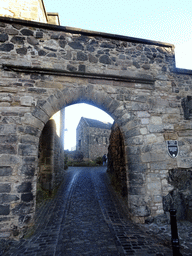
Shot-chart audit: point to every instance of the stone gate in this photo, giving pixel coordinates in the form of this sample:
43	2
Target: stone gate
44	68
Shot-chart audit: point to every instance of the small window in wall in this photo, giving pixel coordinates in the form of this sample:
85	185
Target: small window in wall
79	144
106	140
97	140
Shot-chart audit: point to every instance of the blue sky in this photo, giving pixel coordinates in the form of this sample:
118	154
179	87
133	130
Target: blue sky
166	21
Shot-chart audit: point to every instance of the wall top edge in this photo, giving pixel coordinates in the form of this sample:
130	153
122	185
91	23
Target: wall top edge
183	71
84	32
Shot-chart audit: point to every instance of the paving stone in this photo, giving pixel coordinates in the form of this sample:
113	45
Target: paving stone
84	218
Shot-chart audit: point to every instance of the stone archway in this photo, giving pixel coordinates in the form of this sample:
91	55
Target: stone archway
90	94
72	91
45	68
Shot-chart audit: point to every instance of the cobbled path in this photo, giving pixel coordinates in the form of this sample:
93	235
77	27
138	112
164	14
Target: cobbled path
85	219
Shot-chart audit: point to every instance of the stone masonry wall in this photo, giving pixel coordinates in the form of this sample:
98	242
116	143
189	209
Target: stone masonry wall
82	139
98	142
44	68
94	141
180	198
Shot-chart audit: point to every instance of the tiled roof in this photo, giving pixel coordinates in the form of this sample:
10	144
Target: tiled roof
97	123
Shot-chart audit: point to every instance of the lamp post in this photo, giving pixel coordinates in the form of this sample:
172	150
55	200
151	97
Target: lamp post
174	234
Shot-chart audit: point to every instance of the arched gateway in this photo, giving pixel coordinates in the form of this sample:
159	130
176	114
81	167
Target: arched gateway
46	67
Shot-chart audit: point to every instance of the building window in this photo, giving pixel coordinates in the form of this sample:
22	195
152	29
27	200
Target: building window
97	140
79	144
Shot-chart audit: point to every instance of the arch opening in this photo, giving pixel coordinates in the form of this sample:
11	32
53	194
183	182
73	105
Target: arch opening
92	142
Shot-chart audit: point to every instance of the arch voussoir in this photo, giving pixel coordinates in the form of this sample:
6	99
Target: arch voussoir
54	102
33	121
46	107
40	114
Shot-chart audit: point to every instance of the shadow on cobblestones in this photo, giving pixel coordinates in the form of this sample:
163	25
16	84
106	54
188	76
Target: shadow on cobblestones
84	218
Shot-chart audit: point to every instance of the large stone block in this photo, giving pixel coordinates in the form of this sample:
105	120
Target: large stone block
24	187
7	149
5	188
6	160
6	171
155	128
153	138
154	188
184	162
137	167
21	209
137	140
8	198
31	130
132	133
143	114
138	206
41	115
28	170
27	197
27	150
133	150
11	139
6	129
26	101
28	139
153	157
136	189
136	178
134	158
30	120
4	209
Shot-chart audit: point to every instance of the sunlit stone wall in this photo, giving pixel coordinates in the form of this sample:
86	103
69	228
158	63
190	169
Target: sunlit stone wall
45	68
33	10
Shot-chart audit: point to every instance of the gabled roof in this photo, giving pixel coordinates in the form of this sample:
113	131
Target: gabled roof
96	123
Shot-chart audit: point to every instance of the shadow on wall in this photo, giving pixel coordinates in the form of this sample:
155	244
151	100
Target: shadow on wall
116	161
51	158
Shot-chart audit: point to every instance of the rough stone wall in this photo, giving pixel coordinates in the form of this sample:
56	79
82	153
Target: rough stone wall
91	141
116	165
24	9
180	198
98	142
45	68
82	139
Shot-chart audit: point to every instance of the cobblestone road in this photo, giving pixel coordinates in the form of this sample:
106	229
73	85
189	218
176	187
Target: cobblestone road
84	219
